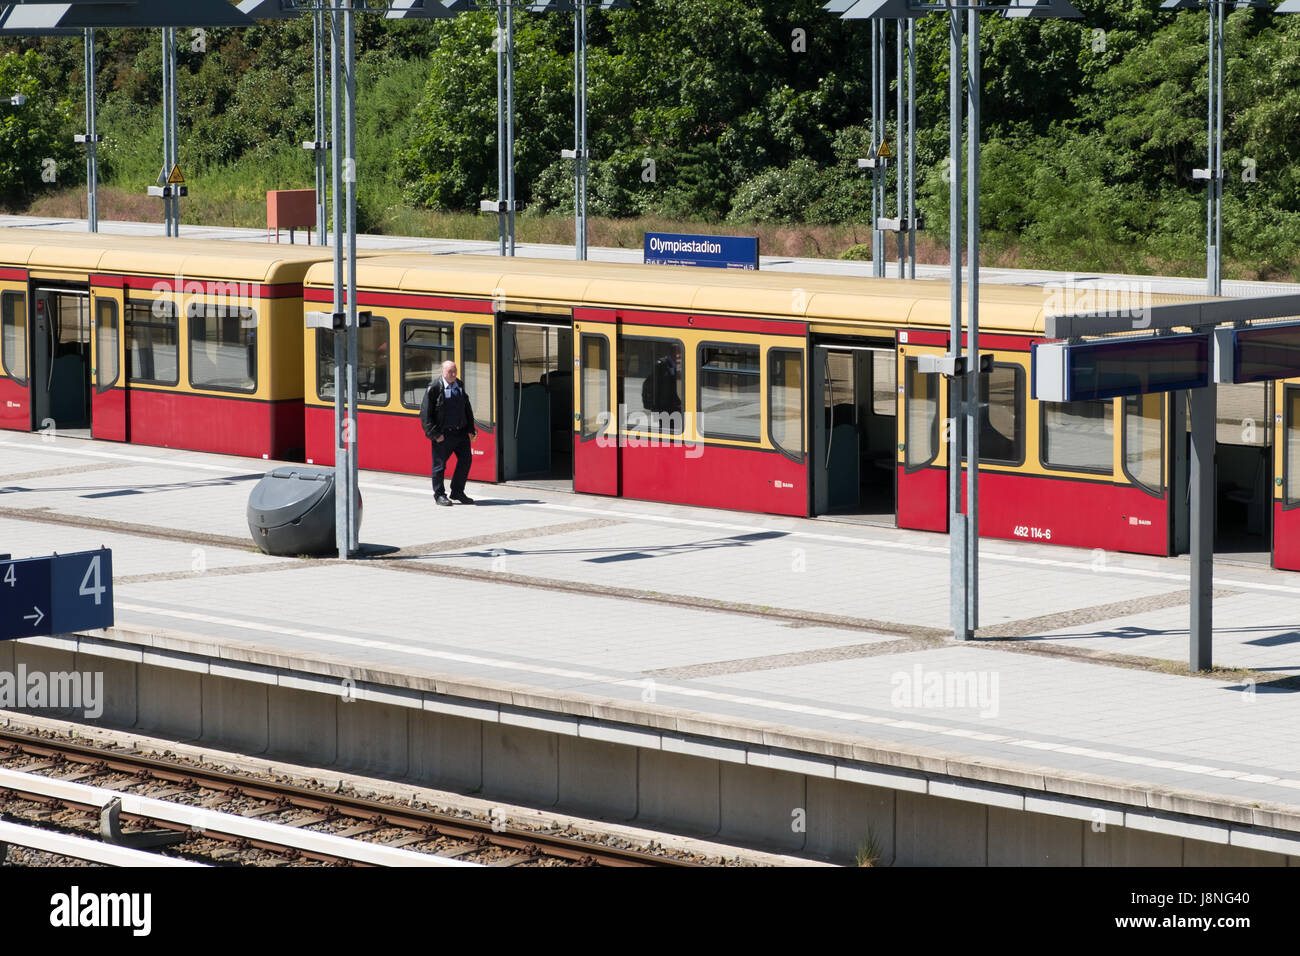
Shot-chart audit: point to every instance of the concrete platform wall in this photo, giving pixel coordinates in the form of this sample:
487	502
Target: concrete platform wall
761	797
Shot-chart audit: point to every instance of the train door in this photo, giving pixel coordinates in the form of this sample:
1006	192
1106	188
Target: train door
854	408
1243	467
61	360
537	401
15	355
595	439
1286	487
109	413
922	461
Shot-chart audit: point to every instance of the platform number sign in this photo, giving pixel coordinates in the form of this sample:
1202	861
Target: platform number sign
56	594
90	586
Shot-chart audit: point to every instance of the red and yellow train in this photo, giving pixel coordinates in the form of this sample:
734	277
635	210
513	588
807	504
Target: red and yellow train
770	392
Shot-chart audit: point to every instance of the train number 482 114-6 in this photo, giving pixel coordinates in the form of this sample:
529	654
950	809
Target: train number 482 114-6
1039	534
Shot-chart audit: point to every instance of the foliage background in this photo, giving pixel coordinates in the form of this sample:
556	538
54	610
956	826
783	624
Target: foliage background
1090	129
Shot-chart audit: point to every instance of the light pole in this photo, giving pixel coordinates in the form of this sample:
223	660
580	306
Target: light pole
579	154
906	222
1213	171
963	371
504	45
344	320
91	138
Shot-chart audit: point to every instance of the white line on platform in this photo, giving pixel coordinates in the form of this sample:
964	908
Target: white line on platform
1109	568
677	689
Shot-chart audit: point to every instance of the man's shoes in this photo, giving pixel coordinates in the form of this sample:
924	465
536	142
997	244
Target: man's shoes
442	500
462	498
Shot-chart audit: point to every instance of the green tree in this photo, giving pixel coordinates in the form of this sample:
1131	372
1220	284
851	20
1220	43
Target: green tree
36	137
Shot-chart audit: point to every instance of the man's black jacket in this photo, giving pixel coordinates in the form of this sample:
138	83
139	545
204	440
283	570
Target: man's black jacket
432	406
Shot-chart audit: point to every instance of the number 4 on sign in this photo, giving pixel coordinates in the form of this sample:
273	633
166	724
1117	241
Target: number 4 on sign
11	578
95	590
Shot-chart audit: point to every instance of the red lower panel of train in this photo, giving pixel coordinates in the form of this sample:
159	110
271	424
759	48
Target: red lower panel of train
715	476
251	429
923	499
392	443
595	466
109	415
1286	537
1082	514
15	406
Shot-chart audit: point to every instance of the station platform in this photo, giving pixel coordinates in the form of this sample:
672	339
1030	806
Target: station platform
812	655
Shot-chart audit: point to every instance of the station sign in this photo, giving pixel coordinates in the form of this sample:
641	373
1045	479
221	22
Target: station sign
717	252
1115	368
1261	353
56	594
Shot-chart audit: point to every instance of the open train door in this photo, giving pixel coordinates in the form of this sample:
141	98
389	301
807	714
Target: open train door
595	413
109	395
1286	487
922	460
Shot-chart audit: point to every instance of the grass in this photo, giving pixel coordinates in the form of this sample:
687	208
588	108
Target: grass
869	852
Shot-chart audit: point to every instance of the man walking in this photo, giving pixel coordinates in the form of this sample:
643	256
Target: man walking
448	422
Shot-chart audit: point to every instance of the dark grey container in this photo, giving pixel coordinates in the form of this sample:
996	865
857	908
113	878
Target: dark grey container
291	511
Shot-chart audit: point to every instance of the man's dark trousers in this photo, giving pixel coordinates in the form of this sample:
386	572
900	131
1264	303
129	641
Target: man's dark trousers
453	443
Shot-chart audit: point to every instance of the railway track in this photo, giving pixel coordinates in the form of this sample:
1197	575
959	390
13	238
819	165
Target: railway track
328	825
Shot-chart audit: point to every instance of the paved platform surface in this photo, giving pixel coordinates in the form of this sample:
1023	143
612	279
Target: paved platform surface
808	627
1139	284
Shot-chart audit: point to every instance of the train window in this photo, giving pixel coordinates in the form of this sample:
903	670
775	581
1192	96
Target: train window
1243	414
13	335
785	401
151	334
652	384
1144	450
595	385
1078	436
1002	414
106	344
476	371
425	346
921	418
223	348
372	363
730	404
884	384
1291	462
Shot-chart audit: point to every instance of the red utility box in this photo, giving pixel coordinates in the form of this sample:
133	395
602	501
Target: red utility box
290	209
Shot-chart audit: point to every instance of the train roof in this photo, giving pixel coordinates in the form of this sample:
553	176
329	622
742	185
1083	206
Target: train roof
47	251
815	298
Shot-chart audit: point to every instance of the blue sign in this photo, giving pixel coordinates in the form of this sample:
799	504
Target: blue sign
1088	371
717	252
1258	354
56	594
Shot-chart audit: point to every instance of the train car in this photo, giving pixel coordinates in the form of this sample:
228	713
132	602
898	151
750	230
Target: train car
173	342
1285	476
786	394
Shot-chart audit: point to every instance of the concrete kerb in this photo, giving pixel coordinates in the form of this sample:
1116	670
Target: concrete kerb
1192	815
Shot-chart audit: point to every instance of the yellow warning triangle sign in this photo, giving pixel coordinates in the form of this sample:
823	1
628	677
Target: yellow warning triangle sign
175	176
884	152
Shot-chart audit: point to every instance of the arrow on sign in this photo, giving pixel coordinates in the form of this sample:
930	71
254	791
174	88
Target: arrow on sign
35	618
